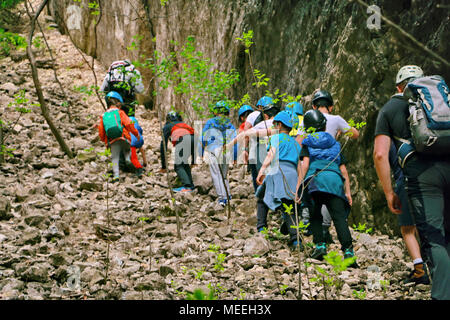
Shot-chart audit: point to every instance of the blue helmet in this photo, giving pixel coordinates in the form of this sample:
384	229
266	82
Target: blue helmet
244	109
266	103
222	107
115	95
285	118
295	107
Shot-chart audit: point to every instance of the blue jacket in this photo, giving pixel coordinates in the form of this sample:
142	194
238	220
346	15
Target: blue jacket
134	141
217	132
322	146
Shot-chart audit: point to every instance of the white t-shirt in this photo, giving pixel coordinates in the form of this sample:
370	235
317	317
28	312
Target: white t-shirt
334	125
262	141
252	117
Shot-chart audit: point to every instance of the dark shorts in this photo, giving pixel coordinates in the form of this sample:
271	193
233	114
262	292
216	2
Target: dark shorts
405	218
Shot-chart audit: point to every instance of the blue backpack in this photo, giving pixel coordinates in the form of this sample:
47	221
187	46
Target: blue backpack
429	119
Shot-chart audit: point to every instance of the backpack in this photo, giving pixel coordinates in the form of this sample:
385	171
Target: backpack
112	124
429	119
117	81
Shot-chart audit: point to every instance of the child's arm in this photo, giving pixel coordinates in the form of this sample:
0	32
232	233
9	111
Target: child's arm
144	158
348	193
302	169
267	161
101	132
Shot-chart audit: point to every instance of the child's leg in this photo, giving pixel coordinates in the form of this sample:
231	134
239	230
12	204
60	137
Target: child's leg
261	214
316	219
115	158
216	176
182	168
134	158
338	211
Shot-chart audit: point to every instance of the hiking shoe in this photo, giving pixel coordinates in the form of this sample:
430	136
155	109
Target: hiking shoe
179	189
327	236
115	179
223	202
139	172
186	189
319	251
418	276
294	246
284	228
129	167
348	253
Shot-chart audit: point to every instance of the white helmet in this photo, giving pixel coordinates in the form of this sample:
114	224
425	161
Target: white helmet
407	72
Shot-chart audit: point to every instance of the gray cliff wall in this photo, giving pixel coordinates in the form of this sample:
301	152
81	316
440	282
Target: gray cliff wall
300	45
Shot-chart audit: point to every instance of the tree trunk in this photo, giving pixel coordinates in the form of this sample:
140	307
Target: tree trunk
37	85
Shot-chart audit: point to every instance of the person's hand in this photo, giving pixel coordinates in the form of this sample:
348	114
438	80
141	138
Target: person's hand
245	155
260	178
394	203
162	170
144	164
349	198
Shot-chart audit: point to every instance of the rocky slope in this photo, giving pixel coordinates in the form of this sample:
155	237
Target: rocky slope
56	215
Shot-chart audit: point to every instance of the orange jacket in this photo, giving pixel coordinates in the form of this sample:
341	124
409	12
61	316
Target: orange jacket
128	126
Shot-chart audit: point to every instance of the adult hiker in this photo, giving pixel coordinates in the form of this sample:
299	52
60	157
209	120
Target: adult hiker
406	222
215	134
278	177
114	130
123	78
323	178
336	125
427	173
182	137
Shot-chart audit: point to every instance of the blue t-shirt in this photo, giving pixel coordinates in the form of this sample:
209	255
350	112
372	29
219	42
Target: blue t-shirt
287	148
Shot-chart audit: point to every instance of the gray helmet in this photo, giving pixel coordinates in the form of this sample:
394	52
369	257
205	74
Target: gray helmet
314	119
407	72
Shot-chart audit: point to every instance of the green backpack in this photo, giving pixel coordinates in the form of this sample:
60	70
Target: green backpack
112	124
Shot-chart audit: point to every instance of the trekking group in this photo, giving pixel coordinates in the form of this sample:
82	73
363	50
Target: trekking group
298	168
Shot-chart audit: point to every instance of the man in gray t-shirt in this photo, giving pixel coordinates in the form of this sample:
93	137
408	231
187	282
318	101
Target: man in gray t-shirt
336	125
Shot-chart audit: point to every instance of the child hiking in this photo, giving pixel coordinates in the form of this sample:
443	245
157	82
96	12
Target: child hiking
215	134
278	178
136	144
327	184
114	130
182	138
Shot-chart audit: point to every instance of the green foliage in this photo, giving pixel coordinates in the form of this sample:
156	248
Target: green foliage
10	41
164	2
362	228
331	279
246	40
220	257
9	4
190	74
360	294
198	294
